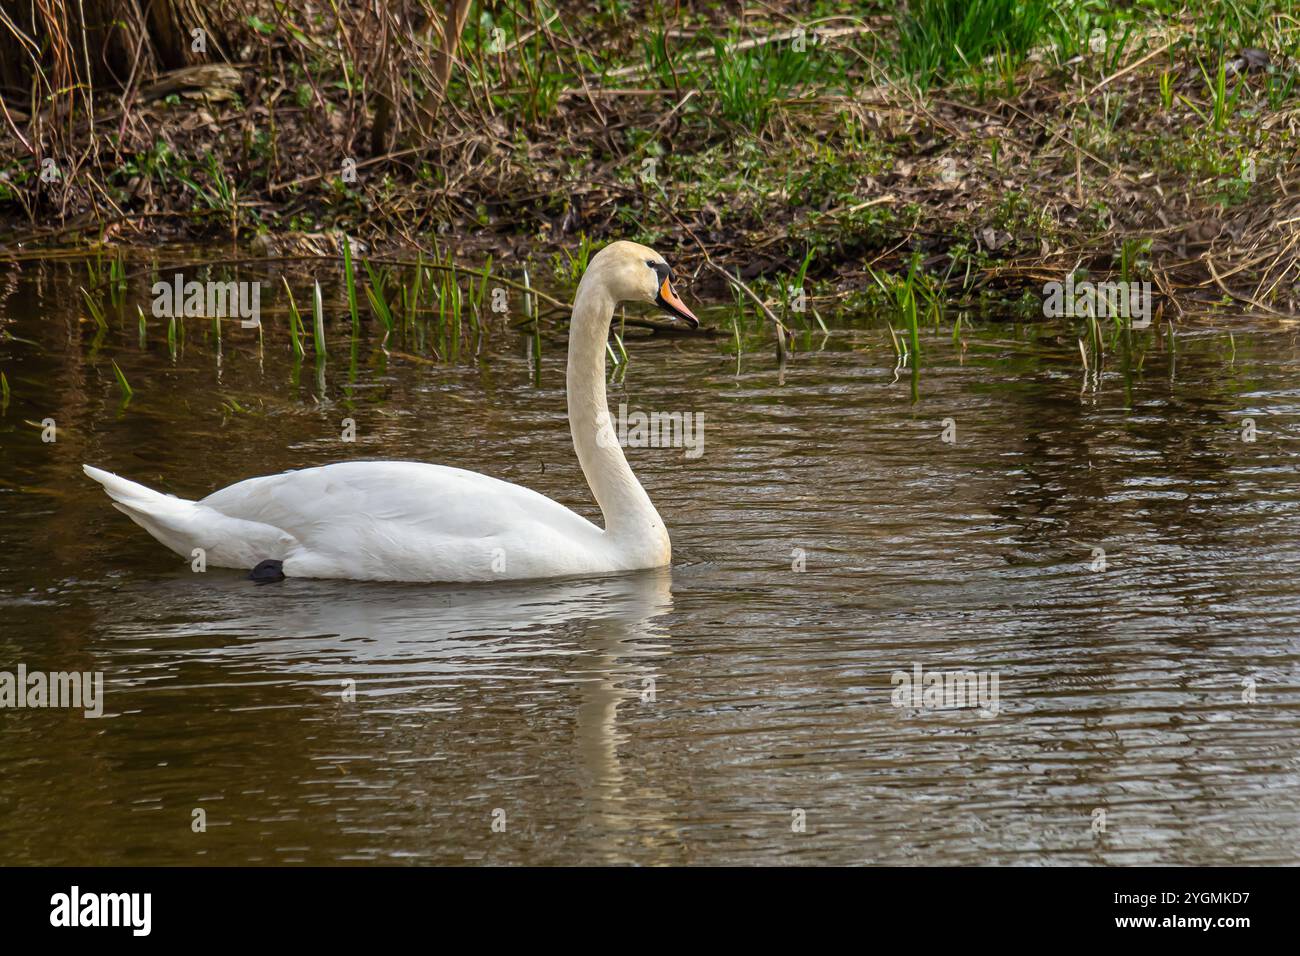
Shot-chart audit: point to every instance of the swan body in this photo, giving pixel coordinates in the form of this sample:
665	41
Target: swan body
411	521
379	521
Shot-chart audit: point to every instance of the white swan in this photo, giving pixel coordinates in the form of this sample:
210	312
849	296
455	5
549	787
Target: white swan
410	521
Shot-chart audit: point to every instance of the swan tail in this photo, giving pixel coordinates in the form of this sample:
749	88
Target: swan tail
184	526
119	489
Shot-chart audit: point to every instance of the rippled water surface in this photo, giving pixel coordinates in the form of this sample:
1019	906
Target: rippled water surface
1112	551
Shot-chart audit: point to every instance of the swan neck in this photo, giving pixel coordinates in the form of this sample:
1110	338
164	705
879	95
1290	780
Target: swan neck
626	507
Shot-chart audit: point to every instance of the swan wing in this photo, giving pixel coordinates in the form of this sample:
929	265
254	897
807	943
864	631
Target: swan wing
399	520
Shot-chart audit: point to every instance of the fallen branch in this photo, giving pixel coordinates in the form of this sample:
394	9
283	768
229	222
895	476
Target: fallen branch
750	44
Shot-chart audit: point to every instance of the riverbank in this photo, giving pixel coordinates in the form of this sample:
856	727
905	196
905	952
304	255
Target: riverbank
831	151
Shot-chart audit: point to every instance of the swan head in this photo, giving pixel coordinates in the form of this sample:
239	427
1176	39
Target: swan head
632	272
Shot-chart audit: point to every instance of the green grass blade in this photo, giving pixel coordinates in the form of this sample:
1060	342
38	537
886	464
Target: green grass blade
96	312
349	277
376	295
295	322
127	391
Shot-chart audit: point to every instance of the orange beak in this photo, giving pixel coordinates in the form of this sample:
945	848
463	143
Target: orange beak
668	301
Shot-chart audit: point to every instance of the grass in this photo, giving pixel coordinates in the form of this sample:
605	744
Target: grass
295	323
939	39
123	384
436	317
117	279
376	294
570	263
750	84
909	294
1221	101
350	280
96	310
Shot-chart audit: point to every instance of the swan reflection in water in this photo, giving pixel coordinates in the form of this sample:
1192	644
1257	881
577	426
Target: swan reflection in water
432	649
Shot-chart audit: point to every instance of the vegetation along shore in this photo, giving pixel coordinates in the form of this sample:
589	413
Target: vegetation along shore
956	152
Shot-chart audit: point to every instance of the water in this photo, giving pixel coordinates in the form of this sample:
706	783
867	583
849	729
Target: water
684	715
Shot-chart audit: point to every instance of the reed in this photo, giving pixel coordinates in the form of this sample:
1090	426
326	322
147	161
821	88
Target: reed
411	303
530	315
123	384
377	295
907	305
904	293
295	322
96	311
457	301
900	350
318	320
618	337
117	279
484	276
350	280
